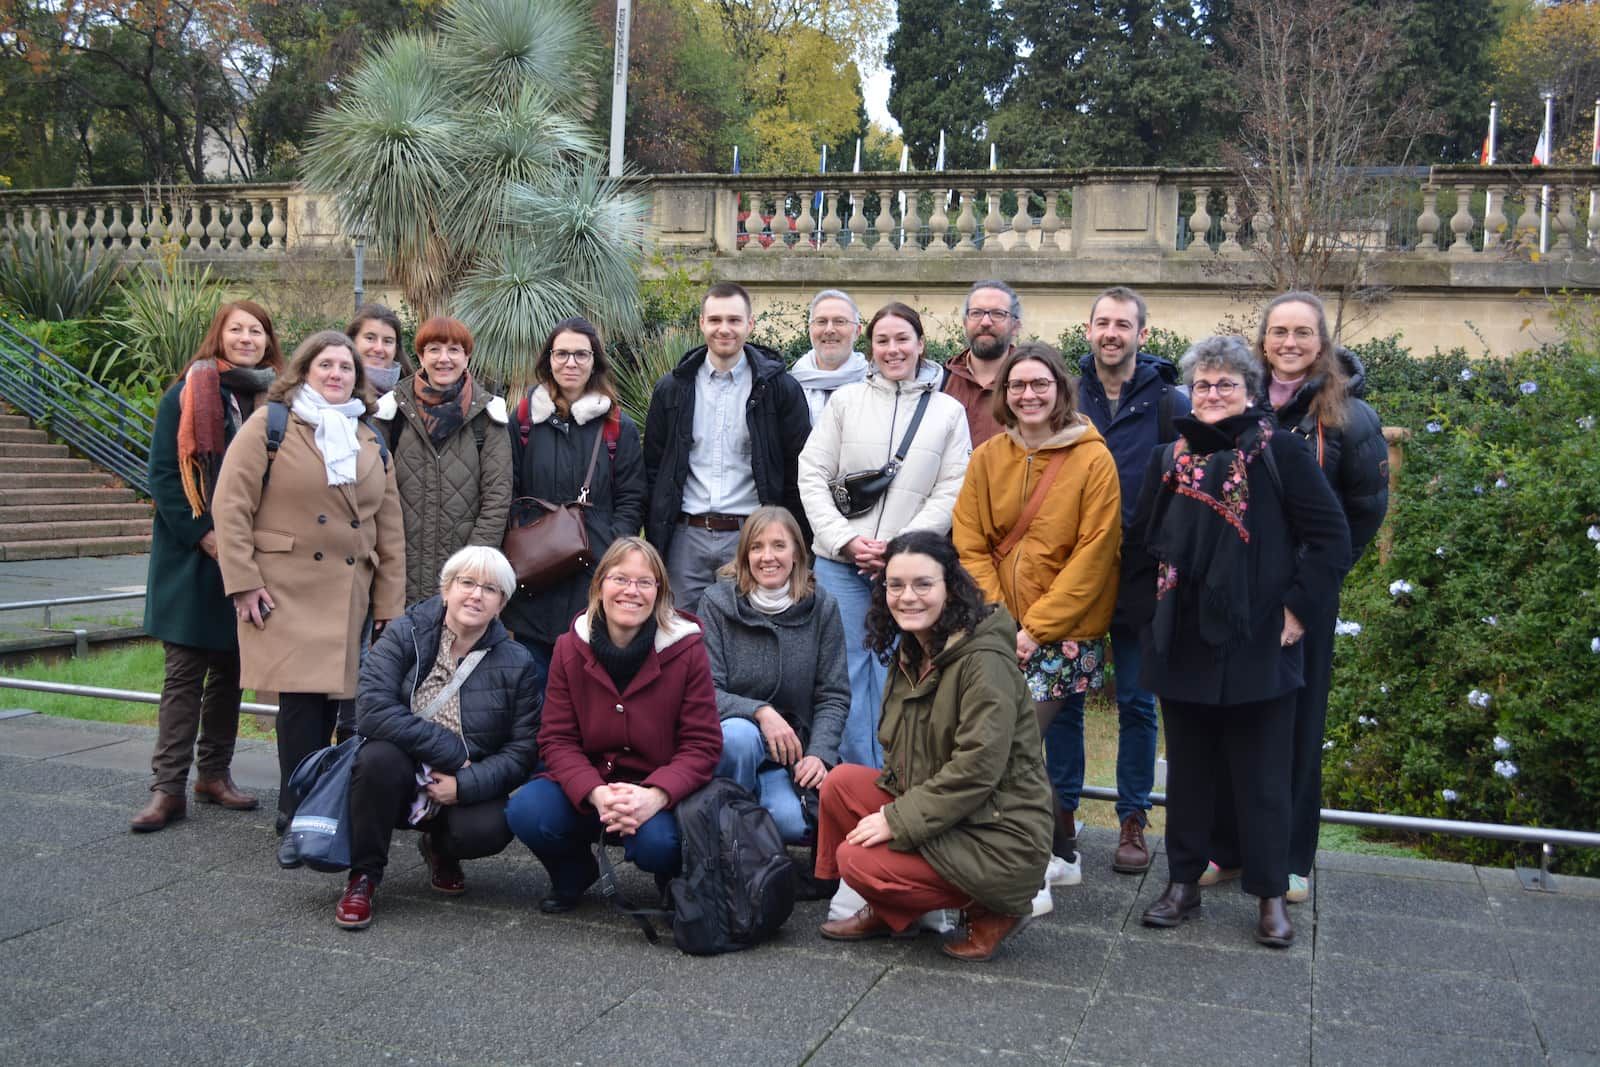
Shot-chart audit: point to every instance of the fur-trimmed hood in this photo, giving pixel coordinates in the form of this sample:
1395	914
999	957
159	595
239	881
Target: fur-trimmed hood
681	626
589	406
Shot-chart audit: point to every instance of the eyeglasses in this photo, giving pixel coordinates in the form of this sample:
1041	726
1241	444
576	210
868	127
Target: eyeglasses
1301	333
472	585
919	586
561	355
1039	386
999	316
1224	388
619	582
835	324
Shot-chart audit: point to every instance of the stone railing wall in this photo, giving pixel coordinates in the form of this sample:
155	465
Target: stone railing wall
214	220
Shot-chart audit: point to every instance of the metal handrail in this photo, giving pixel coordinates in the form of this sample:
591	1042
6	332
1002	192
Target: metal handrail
62	601
132	696
91	418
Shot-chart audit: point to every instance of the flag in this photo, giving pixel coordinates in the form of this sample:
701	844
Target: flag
736	159
1483	153
1541	151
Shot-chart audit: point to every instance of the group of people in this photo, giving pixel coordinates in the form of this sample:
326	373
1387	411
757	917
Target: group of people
872	590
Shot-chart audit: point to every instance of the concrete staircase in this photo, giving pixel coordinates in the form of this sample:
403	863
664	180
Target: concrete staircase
55	507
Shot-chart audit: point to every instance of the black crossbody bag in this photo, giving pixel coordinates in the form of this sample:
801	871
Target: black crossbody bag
859	492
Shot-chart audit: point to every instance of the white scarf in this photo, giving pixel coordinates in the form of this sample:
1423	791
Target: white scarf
820	384
336	431
771	601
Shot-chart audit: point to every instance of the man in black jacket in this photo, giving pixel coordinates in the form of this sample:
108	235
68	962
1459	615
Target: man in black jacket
722	438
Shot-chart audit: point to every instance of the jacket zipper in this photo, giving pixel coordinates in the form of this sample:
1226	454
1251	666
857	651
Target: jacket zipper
1016	553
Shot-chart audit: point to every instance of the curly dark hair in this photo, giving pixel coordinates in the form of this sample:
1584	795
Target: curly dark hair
963	606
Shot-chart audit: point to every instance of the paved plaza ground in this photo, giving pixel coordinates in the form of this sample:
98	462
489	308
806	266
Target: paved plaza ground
191	946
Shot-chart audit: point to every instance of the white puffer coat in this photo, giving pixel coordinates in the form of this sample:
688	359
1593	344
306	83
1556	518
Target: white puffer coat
860	430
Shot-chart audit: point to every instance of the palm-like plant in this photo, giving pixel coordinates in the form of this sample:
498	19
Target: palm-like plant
460	156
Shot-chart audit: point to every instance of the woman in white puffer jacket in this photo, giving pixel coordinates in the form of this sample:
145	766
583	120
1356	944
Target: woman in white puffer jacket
861	430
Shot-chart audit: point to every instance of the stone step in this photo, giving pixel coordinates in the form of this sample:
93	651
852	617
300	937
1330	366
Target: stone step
71	514
14	422
22	435
87	479
14	532
29	465
32	450
36	499
96	546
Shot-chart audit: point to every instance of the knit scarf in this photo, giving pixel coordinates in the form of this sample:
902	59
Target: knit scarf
443	411
336	432
206	423
621	663
1198	532
384	379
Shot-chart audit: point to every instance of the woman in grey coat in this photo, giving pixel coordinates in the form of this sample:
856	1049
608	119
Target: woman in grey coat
777	660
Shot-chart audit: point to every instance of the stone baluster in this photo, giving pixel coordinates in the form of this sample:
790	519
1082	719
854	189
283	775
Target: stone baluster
1021	223
80	230
1526	235
1494	219
27	231
1230	226
805	226
136	227
234	239
278	228
752	223
1261	227
117	232
1050	225
885	223
967	221
830	221
8	227
1428	221
1461	222
938	225
1200	222
97	223
62	226
214	230
195	230
993	222
257	229
858	222
911	223
1565	222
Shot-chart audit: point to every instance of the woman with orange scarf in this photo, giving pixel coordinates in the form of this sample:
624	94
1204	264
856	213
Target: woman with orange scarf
185	606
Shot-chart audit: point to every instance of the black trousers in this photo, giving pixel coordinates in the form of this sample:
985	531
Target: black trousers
199	698
383	785
305	724
1305	763
1207	747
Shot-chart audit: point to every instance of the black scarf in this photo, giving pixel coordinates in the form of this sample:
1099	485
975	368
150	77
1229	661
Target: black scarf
621	663
1198	530
246	384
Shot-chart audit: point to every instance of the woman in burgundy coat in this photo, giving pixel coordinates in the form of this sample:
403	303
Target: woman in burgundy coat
630	728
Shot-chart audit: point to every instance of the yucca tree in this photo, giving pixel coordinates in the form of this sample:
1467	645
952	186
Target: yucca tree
462	157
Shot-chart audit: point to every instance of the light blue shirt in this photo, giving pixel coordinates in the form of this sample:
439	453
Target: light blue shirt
721	478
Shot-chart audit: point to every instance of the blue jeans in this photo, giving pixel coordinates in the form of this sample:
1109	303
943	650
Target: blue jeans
744	759
853	593
561	835
1136	736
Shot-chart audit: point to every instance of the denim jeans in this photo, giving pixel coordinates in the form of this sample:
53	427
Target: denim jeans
1136	736
561	836
853	594
744	759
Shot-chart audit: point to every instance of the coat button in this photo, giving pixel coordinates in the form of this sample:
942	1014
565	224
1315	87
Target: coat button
619	709
355	524
317	556
322	519
350	560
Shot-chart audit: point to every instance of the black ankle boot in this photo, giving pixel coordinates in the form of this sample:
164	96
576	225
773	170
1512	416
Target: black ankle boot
1180	901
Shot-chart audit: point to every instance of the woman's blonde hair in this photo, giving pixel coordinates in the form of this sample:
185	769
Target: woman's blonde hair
665	612
801	582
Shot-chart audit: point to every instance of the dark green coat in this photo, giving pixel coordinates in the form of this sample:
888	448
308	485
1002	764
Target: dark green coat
184	602
961	754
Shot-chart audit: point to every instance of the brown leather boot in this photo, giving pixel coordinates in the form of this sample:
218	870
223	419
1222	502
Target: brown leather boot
162	809
1274	928
223	791
1179	902
985	931
1133	855
864	924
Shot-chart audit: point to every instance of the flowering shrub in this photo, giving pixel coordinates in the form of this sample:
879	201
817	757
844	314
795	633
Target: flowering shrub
1478	633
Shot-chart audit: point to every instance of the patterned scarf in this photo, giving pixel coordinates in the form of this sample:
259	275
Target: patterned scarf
1198	532
206	423
443	411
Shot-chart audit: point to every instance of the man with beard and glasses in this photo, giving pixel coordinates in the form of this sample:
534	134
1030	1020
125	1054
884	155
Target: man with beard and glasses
991	317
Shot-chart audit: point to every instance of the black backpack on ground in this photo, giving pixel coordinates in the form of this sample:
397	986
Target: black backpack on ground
737	886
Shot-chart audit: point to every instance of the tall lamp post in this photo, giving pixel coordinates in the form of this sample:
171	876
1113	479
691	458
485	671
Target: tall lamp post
358	245
619	89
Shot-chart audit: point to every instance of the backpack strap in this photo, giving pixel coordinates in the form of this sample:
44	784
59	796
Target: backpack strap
1030	510
613	893
277	426
1165	431
612	432
479	430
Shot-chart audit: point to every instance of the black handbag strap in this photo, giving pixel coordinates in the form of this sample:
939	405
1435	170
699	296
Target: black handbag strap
613	893
911	431
588	475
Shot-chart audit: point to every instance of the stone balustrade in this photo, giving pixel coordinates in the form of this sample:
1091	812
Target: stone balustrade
242	220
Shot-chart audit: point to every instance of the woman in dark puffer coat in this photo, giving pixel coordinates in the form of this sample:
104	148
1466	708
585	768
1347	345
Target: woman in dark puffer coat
438	759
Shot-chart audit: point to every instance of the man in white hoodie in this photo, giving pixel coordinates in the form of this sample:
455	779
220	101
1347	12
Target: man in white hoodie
833	362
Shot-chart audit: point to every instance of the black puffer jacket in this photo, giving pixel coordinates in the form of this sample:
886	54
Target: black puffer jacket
1354	457
779	422
500	704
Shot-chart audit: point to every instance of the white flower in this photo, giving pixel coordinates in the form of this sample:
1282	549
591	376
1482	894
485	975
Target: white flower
1439	552
1433	427
1477	490
1529	388
1399	587
1347	629
1501	744
1449	795
1594	646
1466	374
1326	745
1491	620
1385	689
1586	422
1505	768
1478	698
1594	533
1362	719
1501	483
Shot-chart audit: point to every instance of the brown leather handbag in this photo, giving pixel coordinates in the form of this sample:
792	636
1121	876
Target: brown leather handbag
548	543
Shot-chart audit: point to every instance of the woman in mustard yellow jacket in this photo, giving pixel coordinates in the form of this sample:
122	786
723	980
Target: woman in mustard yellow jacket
1039	525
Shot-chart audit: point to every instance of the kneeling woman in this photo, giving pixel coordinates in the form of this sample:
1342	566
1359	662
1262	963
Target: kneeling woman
630	728
776	647
960	814
449	706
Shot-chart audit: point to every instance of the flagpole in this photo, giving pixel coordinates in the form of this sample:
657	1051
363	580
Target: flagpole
1488	159
619	89
1544	191
1594	160
905	159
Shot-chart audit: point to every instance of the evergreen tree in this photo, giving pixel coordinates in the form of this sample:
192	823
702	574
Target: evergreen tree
951	61
1449	51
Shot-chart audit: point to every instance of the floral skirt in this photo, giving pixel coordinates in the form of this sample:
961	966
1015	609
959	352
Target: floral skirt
1056	671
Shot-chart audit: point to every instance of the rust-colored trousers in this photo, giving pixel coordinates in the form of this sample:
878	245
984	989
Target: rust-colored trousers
900	886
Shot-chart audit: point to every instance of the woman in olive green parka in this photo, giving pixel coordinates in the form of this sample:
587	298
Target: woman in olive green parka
962	803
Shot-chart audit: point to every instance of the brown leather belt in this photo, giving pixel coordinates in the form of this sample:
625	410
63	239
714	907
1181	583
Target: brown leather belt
712	521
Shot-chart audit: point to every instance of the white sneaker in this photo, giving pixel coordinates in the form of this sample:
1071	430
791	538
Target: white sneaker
1043	903
1063	872
846	902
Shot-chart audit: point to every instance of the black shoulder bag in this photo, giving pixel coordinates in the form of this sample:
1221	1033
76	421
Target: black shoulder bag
858	493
